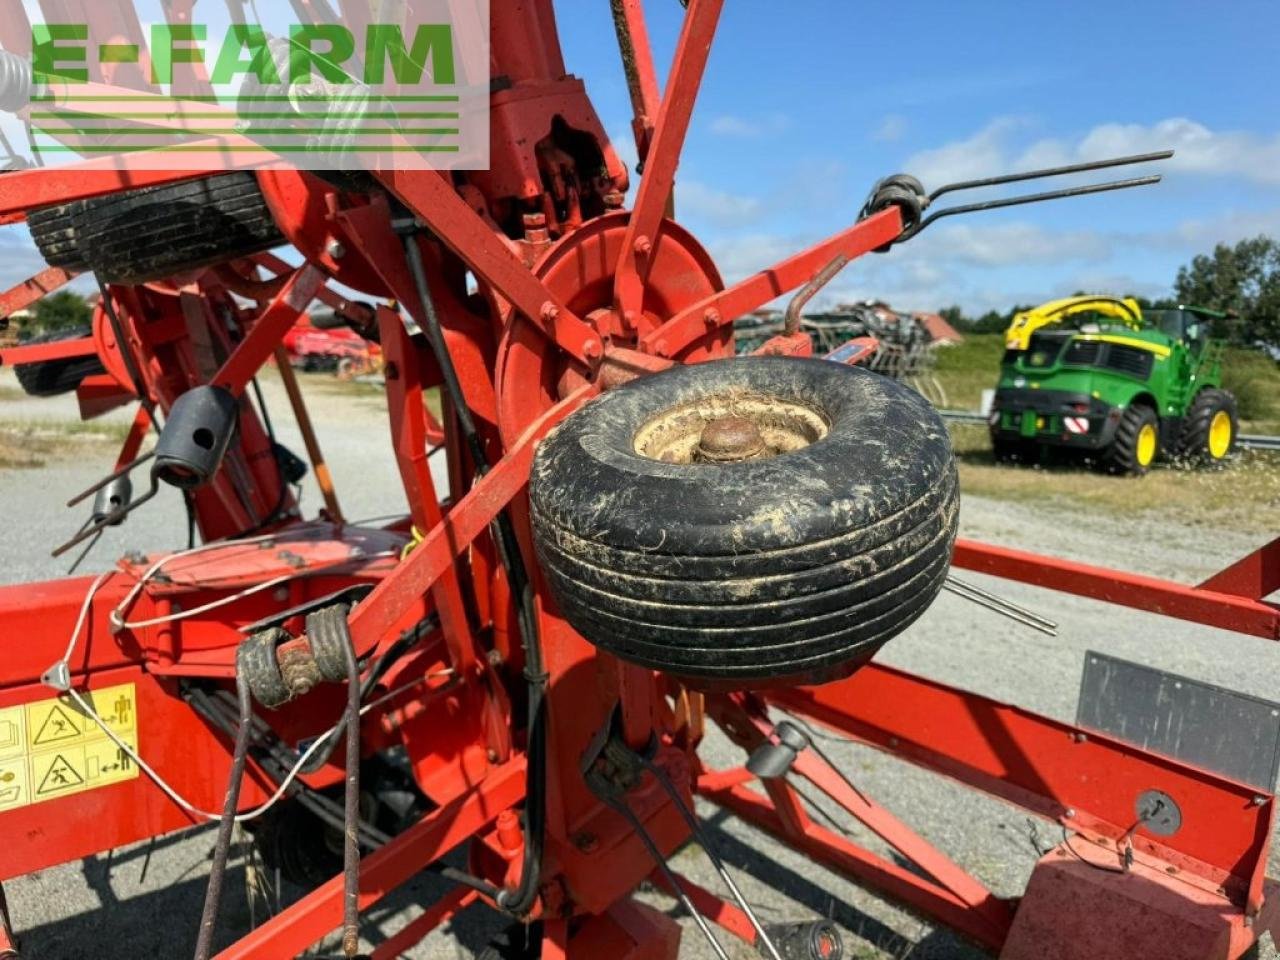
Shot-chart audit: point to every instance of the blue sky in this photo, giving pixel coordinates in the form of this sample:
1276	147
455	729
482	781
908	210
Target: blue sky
806	104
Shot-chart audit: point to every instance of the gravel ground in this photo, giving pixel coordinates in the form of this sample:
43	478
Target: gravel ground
144	902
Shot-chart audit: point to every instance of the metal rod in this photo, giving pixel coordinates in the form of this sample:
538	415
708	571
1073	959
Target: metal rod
661	862
809	291
964	584
109	520
1001	609
1029	198
703	841
122	471
221	849
351	812
1050	172
324	479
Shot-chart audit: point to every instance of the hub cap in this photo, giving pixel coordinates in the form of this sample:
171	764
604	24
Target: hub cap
1219	435
1146	451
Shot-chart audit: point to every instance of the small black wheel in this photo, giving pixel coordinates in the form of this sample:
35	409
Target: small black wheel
156	232
754	522
1210	428
54	231
50	378
1013	449
1137	442
517	942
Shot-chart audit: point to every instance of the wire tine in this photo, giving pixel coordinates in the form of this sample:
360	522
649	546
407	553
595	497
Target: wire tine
127	468
1051	172
109	520
1030	198
964	584
1002	610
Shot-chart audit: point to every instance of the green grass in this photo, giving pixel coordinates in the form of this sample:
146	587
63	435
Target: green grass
29	444
966	369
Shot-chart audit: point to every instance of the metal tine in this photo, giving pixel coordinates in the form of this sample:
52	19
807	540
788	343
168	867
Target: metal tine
1001	600
1050	172
1030	198
112	518
1002	610
126	469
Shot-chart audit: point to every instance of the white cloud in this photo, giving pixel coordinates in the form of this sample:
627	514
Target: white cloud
728	125
1251	156
981	155
718	207
892	128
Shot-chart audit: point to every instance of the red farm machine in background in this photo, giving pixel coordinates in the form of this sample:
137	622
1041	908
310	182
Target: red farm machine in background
638	537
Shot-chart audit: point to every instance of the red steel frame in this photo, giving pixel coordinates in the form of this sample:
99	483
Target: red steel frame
454	714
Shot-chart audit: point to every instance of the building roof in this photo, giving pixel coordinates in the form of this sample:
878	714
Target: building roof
938	329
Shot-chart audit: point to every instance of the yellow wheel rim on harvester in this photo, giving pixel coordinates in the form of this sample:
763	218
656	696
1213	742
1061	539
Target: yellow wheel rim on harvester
1146	451
1220	435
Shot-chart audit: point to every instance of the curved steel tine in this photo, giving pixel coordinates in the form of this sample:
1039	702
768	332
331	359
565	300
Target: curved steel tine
109	520
127	468
1050	172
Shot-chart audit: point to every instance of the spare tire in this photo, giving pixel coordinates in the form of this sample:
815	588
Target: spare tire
156	232
746	523
49	378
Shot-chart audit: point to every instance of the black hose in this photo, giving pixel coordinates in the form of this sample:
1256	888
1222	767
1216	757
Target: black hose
518	900
221	850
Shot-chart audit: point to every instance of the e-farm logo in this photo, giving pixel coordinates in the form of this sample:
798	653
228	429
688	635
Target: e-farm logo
408	94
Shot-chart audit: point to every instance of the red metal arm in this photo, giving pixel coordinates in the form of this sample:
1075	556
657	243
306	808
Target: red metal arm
637	62
460	228
57	350
754	292
668	141
29	291
1227	611
271	325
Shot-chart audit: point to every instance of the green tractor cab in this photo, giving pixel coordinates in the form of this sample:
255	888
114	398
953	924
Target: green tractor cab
1100	376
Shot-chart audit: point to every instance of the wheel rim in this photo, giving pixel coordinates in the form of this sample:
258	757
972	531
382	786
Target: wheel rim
1219	435
1146	451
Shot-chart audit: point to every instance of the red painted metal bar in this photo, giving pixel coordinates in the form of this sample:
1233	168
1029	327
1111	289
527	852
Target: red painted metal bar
30	290
654	196
133	439
637	63
413	933
290	932
57	350
1082	779
727	916
460	228
1254	577
470	516
844	856
1227	611
754	292
272	324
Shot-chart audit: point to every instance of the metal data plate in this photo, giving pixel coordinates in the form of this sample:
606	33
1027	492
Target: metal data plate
1217	729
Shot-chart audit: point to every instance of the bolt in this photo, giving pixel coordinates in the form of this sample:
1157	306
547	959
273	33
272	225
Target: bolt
712	318
493	756
643	247
1259	800
335	249
592	350
1080	737
1069	813
495	658
661	348
586	842
613	199
550	312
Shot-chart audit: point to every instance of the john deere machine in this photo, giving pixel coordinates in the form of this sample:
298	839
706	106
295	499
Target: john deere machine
1098	375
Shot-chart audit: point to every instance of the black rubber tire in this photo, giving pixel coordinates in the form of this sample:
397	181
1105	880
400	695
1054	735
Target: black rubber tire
514	943
156	232
1122	456
54	231
50	378
1193	443
1006	450
792	569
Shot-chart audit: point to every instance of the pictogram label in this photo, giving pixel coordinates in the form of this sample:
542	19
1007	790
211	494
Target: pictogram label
51	748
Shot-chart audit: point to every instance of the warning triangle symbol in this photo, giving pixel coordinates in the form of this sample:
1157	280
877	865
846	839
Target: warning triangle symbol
61	776
58	725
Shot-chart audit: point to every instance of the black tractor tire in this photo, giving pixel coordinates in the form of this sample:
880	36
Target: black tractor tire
54	231
517	942
50	378
1194	442
787	569
1122	457
156	232
1014	450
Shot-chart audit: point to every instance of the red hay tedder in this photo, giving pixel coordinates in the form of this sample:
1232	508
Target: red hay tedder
633	543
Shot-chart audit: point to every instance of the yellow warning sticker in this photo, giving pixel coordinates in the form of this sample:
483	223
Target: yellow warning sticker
53	749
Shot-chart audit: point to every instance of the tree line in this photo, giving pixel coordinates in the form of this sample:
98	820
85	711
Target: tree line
1242	280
